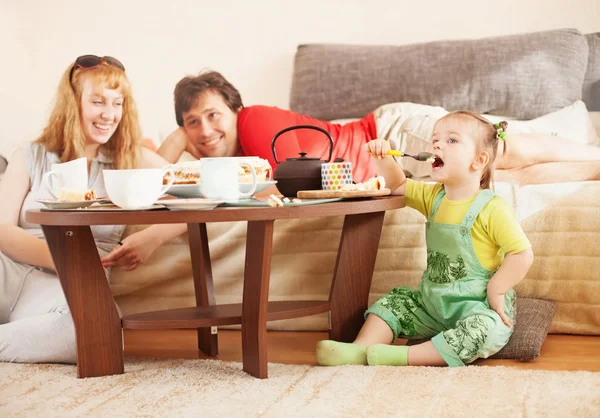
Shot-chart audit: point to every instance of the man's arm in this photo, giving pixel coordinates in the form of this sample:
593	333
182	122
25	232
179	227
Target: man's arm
175	144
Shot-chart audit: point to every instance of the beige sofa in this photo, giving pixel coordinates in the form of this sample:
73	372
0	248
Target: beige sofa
562	220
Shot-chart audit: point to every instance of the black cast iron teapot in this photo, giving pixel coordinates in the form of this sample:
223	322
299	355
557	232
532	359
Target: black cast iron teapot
302	173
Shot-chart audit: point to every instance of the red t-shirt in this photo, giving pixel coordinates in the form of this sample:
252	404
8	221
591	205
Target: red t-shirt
258	125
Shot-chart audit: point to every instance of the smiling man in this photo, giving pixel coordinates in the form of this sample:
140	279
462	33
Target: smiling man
214	123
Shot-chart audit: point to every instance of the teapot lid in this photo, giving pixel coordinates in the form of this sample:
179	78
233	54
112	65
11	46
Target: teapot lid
303	157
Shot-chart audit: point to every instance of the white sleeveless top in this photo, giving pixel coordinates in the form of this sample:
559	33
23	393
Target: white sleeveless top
39	161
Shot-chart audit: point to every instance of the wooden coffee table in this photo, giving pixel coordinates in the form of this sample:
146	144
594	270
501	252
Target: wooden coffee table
97	323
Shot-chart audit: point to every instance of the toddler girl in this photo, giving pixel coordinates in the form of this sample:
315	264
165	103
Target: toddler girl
476	253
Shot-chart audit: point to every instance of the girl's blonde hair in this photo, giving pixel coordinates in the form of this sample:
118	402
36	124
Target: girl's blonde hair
487	135
64	135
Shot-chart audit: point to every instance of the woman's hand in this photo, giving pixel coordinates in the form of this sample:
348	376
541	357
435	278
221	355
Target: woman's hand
496	302
378	148
133	251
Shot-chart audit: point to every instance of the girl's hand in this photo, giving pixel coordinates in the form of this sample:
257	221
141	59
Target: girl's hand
133	251
378	148
496	302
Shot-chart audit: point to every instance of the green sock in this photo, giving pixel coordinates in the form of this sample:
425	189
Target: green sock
333	353
387	355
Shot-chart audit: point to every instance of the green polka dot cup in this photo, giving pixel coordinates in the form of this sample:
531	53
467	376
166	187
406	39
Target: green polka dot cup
334	176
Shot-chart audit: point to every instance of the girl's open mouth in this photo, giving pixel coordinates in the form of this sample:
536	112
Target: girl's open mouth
437	164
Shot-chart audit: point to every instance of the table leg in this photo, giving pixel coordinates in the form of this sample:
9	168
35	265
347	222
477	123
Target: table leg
257	272
97	323
353	274
203	283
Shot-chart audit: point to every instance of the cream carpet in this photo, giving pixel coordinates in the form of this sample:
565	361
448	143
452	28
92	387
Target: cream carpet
211	388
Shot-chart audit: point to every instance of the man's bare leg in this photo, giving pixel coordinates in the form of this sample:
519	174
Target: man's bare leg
556	172
522	150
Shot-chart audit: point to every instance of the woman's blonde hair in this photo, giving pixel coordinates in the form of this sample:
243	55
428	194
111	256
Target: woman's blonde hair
487	135
64	135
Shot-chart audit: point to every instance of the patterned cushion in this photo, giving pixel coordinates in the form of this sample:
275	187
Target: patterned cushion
534	317
519	76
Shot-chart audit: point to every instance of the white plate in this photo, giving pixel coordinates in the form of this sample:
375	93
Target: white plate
114	208
184	190
193	190
191	204
57	204
260	186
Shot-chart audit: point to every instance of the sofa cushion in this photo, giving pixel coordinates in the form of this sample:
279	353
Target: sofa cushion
534	317
521	76
591	83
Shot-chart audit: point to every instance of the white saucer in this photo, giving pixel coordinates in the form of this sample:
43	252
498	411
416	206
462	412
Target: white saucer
114	208
190	204
193	190
260	186
57	204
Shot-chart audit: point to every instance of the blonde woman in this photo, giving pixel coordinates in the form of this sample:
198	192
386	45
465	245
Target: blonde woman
94	117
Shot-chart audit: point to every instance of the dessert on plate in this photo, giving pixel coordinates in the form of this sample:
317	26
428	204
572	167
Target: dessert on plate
375	183
261	167
185	173
69	195
188	172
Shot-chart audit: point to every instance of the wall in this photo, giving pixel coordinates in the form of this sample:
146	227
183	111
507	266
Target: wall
250	42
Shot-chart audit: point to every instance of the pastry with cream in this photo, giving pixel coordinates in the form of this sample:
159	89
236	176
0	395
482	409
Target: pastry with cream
261	167
69	195
185	173
188	172
374	183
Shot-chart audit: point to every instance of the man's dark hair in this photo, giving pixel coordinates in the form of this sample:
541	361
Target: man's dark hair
189	89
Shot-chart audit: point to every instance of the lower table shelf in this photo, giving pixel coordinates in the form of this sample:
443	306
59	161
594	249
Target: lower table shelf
202	317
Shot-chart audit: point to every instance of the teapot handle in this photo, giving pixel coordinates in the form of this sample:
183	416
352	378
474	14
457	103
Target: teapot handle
317	128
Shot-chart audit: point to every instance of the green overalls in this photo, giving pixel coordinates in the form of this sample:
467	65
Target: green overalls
451	303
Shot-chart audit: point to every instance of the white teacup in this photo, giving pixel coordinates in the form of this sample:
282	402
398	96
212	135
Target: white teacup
72	175
219	178
136	189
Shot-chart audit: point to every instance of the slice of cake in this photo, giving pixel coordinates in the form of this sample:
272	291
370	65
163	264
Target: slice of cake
261	167
185	173
375	183
69	195
188	172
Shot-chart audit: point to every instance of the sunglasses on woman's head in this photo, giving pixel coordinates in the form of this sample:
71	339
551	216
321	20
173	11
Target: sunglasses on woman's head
90	61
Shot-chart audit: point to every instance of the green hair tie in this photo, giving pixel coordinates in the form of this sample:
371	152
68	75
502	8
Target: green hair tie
501	134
